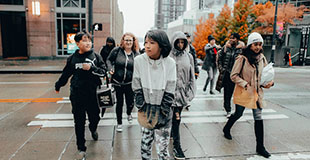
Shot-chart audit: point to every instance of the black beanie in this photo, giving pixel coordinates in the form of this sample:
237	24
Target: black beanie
210	37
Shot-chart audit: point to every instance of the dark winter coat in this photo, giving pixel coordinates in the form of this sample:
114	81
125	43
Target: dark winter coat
192	51
225	61
82	79
106	49
210	59
122	65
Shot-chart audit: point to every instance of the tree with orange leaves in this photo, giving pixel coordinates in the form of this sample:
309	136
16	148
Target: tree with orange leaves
203	30
222	28
258	10
242	10
287	13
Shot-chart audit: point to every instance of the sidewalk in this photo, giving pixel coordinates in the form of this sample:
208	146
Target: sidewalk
32	66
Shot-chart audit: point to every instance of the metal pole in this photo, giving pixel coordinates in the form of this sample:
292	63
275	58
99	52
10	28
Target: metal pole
90	19
274	34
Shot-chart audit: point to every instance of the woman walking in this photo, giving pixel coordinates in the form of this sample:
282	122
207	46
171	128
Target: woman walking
185	89
246	73
120	65
154	82
209	63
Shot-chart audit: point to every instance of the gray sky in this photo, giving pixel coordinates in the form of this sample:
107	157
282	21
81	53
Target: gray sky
138	16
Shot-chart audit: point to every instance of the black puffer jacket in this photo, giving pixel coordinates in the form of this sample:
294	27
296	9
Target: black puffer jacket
122	65
82	78
210	59
227	56
225	61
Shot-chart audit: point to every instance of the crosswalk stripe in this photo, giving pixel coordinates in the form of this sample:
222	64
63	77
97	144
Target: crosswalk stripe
134	115
289	156
66	120
112	122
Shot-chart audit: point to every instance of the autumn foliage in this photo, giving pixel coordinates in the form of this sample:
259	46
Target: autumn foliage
222	28
242	10
203	30
246	19
287	13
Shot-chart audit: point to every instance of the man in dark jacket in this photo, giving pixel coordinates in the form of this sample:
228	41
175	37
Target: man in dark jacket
85	67
225	62
106	49
192	51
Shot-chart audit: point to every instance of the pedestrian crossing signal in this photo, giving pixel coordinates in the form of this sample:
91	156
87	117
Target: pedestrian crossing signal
97	27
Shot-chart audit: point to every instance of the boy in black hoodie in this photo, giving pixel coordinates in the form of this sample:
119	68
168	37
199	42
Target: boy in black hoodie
85	67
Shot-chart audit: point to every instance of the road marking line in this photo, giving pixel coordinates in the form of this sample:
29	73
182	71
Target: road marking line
25	82
31	100
134	115
289	156
112	122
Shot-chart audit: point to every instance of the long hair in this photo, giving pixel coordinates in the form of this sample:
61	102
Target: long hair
162	39
134	46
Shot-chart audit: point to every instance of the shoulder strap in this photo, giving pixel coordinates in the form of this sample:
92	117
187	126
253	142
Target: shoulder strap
242	66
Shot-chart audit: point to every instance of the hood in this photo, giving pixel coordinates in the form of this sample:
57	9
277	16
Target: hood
178	35
111	40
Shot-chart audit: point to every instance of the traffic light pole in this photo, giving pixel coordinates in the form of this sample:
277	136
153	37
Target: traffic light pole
274	34
90	20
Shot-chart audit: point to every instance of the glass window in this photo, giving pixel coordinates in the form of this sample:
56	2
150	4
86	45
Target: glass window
83	3
66	30
58	3
76	15
14	2
71	3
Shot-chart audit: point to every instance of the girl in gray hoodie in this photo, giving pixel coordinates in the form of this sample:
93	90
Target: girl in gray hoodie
154	82
185	88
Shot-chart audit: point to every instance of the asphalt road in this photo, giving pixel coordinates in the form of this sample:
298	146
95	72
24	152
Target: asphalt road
36	123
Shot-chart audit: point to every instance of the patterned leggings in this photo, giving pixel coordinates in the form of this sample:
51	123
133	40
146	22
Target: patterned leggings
161	142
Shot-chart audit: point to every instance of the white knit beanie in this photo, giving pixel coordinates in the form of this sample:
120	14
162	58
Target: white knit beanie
255	37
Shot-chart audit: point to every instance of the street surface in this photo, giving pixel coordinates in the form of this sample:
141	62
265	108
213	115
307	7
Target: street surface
37	124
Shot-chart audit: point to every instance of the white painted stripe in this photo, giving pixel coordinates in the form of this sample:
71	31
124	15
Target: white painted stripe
134	115
111	122
66	98
46	82
63	101
289	156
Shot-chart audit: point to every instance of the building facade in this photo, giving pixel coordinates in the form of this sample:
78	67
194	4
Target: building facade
167	11
45	28
199	9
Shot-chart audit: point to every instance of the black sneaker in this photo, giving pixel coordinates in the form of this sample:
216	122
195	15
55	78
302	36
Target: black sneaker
211	92
178	153
94	135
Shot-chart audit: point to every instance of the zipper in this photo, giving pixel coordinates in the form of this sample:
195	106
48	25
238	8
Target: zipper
126	63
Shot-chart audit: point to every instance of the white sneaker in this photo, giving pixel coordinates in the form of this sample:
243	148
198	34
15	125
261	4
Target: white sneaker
129	118
119	128
81	155
228	114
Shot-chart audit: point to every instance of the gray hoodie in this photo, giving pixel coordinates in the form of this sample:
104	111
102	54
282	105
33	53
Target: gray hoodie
185	87
154	85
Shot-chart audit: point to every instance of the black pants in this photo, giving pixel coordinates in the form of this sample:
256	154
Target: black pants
120	91
84	101
175	129
229	87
